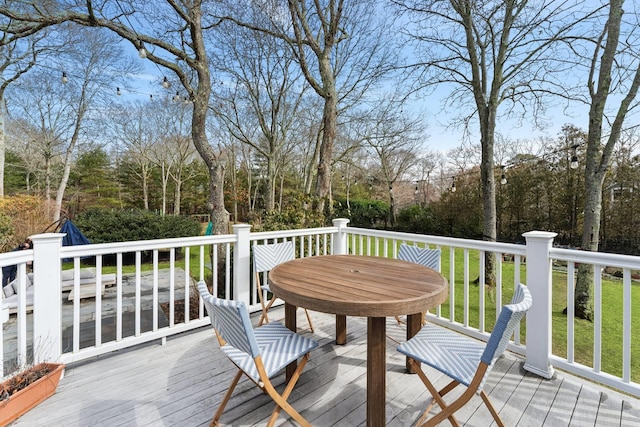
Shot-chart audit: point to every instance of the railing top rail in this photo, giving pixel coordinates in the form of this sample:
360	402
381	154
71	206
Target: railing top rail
511	248
144	245
596	258
16	257
291	233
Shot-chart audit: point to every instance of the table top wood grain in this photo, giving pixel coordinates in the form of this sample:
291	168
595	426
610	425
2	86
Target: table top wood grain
354	285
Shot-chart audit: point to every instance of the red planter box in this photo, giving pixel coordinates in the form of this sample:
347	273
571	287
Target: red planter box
30	396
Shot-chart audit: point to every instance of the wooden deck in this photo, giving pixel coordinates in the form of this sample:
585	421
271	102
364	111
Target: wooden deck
182	382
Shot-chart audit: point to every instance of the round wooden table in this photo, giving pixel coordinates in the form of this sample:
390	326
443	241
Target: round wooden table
352	285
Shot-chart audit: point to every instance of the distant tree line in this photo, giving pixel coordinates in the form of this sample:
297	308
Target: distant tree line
541	192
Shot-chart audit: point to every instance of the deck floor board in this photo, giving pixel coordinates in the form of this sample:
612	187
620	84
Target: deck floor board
182	382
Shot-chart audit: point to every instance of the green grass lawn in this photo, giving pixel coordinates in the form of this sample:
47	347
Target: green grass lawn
612	312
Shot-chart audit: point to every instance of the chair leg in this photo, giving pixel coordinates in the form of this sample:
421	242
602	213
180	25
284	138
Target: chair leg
281	399
309	320
265	310
225	399
437	397
263	317
493	411
268	307
449	410
463	399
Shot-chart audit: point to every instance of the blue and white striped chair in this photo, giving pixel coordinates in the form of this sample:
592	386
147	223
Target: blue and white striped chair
429	258
265	257
259	353
466	360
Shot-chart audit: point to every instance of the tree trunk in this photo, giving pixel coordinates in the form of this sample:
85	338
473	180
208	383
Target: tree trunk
598	158
2	147
67	159
329	119
392	208
270	190
176	197
215	164
219	215
487	129
310	168
145	188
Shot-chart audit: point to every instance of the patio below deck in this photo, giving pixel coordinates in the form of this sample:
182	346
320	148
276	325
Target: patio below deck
182	383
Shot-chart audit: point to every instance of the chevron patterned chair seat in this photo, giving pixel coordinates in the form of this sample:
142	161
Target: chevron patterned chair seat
259	353
465	360
265	257
429	258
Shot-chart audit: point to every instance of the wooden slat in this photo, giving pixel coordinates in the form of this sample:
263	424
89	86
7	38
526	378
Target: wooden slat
182	382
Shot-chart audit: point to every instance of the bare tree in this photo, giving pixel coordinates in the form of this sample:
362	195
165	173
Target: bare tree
53	115
16	58
343	49
46	122
261	104
93	54
171	150
425	168
134	139
171	34
495	54
394	140
614	78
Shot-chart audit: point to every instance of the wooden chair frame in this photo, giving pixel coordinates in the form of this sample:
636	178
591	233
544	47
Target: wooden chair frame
276	343
267	387
447	410
465	360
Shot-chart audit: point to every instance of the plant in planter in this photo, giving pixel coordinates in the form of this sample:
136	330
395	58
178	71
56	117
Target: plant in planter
28	388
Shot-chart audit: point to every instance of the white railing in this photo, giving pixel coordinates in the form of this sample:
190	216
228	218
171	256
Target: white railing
153	297
610	358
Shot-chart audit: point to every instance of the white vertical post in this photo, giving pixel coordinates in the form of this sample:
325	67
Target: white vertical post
47	297
242	264
539	316
340	238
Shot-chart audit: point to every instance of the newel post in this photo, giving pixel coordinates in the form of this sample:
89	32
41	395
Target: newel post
539	316
242	264
340	237
47	297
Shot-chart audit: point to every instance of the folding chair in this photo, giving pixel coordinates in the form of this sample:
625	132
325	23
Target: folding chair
429	258
259	354
466	360
265	257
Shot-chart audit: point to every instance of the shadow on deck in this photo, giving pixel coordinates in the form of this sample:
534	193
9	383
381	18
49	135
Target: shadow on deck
182	382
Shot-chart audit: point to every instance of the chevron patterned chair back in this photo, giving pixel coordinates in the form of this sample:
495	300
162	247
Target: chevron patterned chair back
259	353
465	360
424	256
429	258
265	257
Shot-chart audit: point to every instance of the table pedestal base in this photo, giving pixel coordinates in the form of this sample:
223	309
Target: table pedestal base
376	371
341	329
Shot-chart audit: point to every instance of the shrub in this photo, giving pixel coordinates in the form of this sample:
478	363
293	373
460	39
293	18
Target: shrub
416	219
22	216
296	213
105	225
362	213
6	231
